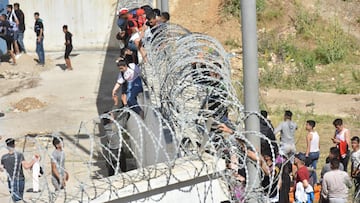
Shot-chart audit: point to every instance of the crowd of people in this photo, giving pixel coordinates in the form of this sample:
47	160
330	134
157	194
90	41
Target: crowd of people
298	180
12	28
136	26
280	159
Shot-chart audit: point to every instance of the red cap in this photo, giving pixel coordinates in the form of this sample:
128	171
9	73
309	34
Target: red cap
123	11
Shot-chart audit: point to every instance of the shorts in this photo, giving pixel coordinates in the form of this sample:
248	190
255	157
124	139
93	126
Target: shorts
124	87
9	41
68	50
16	35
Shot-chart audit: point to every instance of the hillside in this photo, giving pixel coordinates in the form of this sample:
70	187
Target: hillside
294	71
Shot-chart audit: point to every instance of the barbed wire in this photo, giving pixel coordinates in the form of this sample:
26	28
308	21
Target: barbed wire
191	94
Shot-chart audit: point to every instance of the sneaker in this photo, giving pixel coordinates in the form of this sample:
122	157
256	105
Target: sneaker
2	114
17	56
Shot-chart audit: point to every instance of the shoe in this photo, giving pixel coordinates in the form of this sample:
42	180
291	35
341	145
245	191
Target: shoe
17	56
2	115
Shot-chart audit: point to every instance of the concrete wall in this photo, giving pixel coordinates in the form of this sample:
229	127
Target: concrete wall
92	23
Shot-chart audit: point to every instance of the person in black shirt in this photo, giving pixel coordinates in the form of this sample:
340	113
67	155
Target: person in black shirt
21	17
39	30
68	47
7	34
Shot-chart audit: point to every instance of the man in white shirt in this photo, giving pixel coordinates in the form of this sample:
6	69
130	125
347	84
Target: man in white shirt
130	73
355	163
312	148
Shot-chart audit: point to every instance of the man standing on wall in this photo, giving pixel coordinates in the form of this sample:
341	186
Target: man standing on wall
21	17
39	30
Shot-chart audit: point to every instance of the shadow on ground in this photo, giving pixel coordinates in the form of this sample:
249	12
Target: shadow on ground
71	55
62	66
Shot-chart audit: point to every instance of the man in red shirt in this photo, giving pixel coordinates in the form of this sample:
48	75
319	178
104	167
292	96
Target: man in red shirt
302	176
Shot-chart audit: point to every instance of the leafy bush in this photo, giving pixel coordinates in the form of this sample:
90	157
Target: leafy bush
334	47
271	76
304	21
232	43
232	7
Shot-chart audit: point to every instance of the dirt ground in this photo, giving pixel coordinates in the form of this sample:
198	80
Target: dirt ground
24	75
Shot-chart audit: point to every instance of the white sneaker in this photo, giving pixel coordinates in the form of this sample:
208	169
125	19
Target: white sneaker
17	56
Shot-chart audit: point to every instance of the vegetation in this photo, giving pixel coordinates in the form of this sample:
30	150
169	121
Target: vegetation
311	54
232	7
232	43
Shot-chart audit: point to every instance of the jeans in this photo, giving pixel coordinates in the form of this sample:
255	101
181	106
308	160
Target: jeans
345	160
314	157
132	46
20	41
310	197
40	51
133	89
16	189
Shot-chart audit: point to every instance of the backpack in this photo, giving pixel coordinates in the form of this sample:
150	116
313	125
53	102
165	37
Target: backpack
133	12
13	26
12	20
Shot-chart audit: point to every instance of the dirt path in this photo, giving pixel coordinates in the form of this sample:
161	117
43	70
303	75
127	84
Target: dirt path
204	17
316	102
